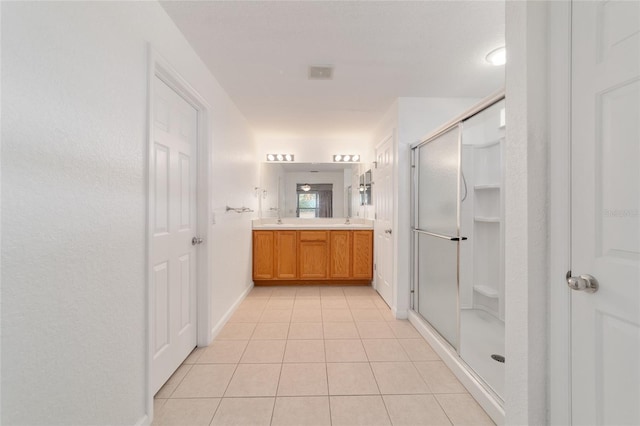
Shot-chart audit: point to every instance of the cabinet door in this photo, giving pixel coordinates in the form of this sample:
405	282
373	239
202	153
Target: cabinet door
363	255
286	254
313	254
340	254
263	255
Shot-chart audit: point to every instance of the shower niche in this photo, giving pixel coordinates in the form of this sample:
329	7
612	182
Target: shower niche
458	239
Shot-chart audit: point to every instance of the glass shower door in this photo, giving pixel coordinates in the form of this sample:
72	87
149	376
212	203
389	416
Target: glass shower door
436	232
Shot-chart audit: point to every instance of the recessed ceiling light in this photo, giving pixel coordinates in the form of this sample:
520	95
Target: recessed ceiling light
497	56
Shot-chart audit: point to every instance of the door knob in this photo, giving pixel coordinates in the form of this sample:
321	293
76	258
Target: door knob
387	231
196	240
585	283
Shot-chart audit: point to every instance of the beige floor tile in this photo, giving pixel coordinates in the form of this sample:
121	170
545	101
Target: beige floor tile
244	412
276	315
304	351
331	292
303	380
264	352
403	329
387	315
360	291
284	292
253	304
361	303
374	330
305	330
158	403
384	350
463	410
366	315
336	315
302	304
254	380
340	330
236	331
260	292
306	315
301	411
270	331
246	315
419	350
345	350
439	378
193	356
398	378
192	411
307	292
280	303
205	381
354	378
358	411
167	389
415	410
334	303
380	303
223	352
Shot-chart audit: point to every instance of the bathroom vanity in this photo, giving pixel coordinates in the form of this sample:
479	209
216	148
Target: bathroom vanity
312	252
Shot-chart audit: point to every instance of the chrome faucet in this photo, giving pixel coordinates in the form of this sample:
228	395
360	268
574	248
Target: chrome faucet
348	221
279	222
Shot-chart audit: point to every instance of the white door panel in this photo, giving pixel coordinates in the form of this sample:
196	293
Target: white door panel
173	204
383	228
605	216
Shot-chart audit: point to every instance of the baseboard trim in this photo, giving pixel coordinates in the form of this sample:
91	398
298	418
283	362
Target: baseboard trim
487	400
400	314
144	421
225	318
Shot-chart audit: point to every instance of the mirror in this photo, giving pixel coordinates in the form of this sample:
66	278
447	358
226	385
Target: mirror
306	189
365	188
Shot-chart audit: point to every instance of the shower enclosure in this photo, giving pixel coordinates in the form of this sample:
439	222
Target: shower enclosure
458	239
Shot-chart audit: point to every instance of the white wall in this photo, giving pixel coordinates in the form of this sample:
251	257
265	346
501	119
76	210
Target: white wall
293	178
525	214
74	205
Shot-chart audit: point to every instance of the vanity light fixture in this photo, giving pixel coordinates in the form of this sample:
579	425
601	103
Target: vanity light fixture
306	187
497	56
346	158
280	157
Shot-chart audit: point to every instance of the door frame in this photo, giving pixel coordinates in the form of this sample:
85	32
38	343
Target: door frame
559	116
394	289
158	66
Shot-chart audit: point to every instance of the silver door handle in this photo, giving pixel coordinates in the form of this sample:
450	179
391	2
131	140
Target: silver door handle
585	283
387	231
196	240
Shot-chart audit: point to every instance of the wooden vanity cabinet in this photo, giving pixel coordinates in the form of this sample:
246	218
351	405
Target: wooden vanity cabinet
362	258
299	256
313	254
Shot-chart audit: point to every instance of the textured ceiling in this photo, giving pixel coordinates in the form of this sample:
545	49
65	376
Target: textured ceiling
260	52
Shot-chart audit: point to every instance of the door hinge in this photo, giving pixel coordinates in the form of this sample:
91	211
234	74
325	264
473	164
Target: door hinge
375	267
375	164
375	216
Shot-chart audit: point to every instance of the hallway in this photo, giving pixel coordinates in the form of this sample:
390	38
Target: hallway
315	356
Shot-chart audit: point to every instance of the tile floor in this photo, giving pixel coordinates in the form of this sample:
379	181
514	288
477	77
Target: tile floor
315	356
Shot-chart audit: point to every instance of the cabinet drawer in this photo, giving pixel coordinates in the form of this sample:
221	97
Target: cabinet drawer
313	235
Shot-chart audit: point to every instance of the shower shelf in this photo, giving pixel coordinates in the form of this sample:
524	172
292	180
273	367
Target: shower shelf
486	219
486	291
487	186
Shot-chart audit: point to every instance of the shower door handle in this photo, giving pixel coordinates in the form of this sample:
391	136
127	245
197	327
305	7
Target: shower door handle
444	237
586	283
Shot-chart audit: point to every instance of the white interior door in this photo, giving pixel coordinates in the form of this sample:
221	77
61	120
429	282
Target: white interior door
383	225
172	195
605	330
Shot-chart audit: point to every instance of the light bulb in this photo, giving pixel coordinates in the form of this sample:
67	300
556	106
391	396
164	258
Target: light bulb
347	158
280	157
270	157
337	158
288	157
355	158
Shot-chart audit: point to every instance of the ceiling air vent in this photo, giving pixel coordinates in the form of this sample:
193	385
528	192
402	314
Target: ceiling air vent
320	72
